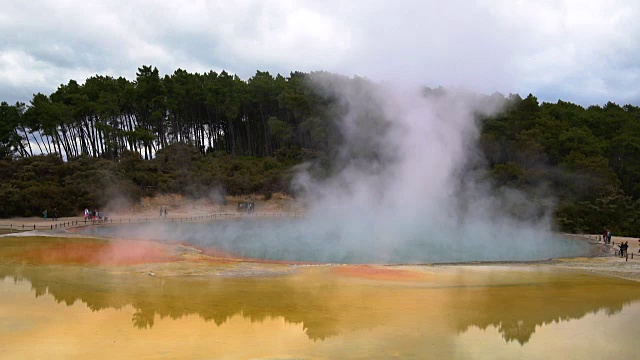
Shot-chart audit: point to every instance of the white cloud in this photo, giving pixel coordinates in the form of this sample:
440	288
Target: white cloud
575	49
582	51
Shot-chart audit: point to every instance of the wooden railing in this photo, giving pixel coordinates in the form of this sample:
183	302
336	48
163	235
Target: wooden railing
27	227
19	227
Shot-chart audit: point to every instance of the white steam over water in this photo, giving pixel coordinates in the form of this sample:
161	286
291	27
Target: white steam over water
413	199
402	191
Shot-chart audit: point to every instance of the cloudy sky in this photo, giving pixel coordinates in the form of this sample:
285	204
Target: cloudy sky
583	51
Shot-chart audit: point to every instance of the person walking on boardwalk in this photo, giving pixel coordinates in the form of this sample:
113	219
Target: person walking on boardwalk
623	248
626	248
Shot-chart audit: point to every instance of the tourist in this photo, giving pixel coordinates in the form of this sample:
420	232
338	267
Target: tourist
44	215
86	214
623	248
626	248
165	212
161	211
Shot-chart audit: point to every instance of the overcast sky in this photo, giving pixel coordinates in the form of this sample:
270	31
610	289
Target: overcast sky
582	51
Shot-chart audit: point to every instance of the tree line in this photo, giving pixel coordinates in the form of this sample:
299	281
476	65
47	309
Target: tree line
161	134
107	116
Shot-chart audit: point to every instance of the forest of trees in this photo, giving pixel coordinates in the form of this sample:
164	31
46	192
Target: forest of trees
214	112
190	132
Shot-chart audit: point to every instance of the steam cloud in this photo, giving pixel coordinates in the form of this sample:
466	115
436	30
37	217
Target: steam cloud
414	190
402	190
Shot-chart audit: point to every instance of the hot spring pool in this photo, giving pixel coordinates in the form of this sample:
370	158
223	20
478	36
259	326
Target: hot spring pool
305	240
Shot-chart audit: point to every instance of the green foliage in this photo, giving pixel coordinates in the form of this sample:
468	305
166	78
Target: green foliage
507	173
280	131
189	133
589	159
31	185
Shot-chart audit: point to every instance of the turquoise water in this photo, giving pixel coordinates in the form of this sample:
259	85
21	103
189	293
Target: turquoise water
310	241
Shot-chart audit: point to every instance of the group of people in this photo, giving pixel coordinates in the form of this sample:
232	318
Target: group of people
96	216
163	212
623	248
248	206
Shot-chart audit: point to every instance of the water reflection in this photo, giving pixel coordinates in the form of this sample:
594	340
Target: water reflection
91	293
516	302
518	311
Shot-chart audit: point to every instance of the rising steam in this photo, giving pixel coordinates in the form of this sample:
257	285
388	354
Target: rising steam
405	184
401	190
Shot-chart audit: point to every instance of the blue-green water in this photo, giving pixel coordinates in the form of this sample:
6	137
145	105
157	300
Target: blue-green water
311	241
